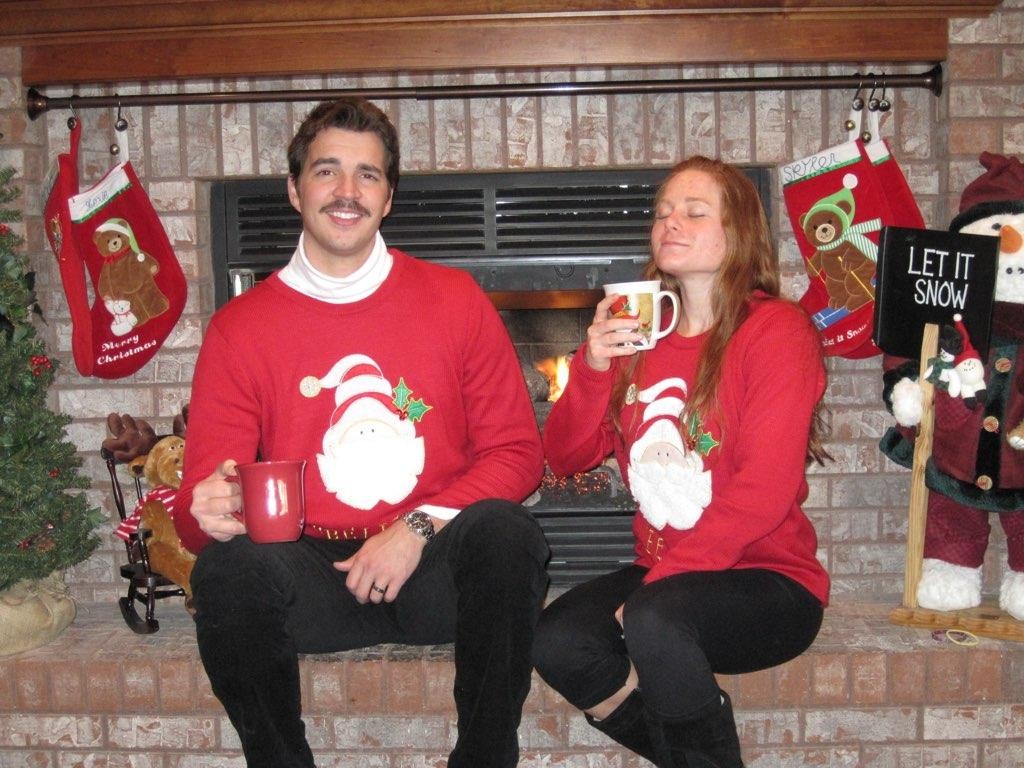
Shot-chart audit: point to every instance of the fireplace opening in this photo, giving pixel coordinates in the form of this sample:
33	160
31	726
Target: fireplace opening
587	517
556	371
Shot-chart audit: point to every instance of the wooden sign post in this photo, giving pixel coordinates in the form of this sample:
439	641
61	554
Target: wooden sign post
917	514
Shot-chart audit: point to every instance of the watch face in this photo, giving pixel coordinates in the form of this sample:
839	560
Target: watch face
420	523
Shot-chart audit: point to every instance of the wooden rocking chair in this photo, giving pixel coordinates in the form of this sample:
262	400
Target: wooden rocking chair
131	442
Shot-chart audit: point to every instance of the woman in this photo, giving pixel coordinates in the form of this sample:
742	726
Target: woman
712	429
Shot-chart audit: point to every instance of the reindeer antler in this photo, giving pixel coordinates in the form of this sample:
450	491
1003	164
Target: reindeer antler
129	437
181	422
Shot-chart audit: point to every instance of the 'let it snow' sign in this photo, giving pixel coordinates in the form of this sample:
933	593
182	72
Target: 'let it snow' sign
927	276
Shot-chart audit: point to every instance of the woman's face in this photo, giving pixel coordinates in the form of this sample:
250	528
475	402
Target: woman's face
688	238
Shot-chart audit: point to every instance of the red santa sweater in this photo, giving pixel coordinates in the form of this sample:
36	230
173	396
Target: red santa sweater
411	397
751	454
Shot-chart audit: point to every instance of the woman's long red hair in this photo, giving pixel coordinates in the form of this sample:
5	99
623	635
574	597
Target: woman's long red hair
750	264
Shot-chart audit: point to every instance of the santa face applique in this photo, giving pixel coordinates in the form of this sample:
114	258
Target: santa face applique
667	477
371	453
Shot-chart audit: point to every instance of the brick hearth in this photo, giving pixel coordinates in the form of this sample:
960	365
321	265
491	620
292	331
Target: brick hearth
868	693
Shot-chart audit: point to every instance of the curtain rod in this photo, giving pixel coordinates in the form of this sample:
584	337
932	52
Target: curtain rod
38	103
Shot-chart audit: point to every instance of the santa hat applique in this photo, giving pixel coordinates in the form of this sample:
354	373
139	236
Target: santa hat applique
968	352
121	227
832	202
665	401
360	390
1000	189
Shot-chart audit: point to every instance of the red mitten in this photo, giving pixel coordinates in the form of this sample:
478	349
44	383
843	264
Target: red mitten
112	231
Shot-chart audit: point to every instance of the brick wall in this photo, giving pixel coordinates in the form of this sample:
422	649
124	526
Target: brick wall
857	503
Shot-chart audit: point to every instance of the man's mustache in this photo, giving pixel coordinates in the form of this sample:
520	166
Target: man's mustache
345	205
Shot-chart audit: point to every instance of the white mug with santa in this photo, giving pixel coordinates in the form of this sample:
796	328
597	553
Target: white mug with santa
641	300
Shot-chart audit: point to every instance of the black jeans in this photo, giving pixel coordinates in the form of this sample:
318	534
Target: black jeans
678	632
480	583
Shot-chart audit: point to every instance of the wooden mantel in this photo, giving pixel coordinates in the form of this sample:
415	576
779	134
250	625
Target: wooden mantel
79	42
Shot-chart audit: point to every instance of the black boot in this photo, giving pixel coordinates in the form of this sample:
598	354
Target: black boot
628	726
709	741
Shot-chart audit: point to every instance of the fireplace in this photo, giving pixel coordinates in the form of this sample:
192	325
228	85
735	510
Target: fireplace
541	244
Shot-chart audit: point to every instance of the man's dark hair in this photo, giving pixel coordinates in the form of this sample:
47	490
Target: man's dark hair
350	114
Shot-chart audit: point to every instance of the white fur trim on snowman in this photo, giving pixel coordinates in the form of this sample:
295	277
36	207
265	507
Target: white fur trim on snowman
948	587
1011	594
907	400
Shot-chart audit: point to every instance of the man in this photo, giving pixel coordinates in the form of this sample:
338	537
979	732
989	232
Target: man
396	381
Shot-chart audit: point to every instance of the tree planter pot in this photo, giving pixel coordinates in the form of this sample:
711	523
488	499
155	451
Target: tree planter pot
33	613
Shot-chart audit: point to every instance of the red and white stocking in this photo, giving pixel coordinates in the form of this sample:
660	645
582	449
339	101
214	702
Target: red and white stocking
838	200
138	289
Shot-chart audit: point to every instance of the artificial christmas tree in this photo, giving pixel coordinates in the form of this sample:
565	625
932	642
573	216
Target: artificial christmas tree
45	526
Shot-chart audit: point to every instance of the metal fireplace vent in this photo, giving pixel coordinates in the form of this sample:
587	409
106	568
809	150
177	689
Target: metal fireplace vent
513	231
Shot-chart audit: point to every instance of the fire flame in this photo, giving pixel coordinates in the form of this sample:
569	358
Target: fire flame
556	371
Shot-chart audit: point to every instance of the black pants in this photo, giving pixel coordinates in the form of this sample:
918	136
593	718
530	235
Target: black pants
678	632
480	583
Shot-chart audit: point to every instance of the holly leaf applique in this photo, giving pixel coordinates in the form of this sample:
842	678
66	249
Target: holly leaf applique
411	409
416	409
401	393
699	440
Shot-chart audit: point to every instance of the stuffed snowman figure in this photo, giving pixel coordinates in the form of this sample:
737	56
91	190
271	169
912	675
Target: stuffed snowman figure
977	466
968	367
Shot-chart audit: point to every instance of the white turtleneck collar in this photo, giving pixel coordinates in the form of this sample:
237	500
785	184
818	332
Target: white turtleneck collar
307	279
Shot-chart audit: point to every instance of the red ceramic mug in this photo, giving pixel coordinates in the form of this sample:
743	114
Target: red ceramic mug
273	499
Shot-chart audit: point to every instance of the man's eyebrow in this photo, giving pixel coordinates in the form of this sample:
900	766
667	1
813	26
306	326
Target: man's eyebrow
325	161
334	162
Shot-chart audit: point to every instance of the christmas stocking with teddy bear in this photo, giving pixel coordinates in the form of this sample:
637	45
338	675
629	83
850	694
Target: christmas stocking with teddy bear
976	470
838	201
112	232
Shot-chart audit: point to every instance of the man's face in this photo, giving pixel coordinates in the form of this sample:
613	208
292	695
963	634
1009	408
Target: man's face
342	194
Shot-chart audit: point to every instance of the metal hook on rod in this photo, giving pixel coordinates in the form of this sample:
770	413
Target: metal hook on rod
872	99
38	103
73	120
858	98
120	124
120	144
884	105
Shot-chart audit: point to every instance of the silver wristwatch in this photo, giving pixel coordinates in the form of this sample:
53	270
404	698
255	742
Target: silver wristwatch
419	522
